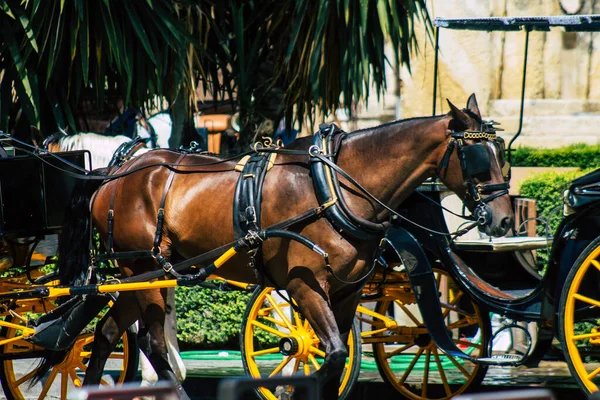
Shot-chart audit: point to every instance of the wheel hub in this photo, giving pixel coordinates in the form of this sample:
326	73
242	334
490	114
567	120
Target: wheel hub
423	340
289	346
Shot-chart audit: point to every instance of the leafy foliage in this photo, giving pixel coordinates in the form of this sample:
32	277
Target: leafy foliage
271	57
547	189
211	318
292	56
576	155
55	54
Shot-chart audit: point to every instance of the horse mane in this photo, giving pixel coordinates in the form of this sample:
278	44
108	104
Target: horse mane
100	146
397	122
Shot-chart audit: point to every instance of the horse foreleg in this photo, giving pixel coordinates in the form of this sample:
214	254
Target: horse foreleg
108	332
148	374
153	305
314	304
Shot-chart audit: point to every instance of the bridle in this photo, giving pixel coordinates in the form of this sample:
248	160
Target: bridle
475	163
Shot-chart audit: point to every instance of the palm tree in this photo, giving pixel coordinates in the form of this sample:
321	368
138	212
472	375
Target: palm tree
271	58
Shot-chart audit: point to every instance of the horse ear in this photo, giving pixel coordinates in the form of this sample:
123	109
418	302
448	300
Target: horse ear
473	106
460	120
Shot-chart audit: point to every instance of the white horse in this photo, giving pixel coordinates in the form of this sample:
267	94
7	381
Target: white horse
157	131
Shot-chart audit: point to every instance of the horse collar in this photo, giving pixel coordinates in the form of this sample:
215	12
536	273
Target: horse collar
326	143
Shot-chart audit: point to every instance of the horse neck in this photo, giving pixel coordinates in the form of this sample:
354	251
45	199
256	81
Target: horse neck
392	160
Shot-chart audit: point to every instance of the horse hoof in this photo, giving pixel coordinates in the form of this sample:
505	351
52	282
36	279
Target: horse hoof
282	393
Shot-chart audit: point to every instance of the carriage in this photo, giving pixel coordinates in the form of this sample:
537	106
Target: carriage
414	258
33	194
472	278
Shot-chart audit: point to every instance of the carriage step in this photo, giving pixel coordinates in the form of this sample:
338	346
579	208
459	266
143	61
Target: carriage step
515	243
503	360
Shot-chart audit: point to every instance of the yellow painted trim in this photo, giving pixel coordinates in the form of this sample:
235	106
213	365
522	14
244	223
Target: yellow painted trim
13	339
225	257
241	285
26	330
124	287
571	338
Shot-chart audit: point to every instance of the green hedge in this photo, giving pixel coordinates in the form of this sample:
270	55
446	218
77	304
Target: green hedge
547	189
209	318
212	319
578	155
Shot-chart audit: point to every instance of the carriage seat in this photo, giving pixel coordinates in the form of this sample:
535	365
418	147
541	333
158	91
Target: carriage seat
479	242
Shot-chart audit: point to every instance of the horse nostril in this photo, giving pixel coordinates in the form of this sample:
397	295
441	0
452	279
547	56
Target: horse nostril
506	223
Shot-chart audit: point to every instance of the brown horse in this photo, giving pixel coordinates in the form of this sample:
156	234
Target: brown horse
390	161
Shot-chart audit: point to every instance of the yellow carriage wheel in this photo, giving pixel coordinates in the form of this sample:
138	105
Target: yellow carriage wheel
408	358
21	362
579	319
276	342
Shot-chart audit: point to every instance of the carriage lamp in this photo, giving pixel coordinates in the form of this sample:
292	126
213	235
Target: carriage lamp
567	208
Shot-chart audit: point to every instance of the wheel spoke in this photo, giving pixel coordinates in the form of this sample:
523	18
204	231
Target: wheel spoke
296	366
81	366
451	306
459	366
448	308
275	321
268	329
75	378
410	367
64	385
408	313
438	279
86	339
593	374
596	264
317	351
425	374
461	323
272	350
586	336
281	365
306	368
399	350
586	299
314	362
280	312
441	372
25	378
467	343
48	383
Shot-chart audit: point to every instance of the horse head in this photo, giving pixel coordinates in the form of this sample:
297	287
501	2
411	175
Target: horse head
472	167
52	142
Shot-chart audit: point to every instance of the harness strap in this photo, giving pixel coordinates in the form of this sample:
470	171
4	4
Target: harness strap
161	208
202	258
328	195
446	159
362	223
111	214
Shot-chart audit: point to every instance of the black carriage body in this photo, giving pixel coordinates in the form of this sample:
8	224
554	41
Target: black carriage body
495	280
34	193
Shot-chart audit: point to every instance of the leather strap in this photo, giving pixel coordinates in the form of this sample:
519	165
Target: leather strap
160	219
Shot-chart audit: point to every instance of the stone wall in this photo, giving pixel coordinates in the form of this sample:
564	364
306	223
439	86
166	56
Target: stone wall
563	75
